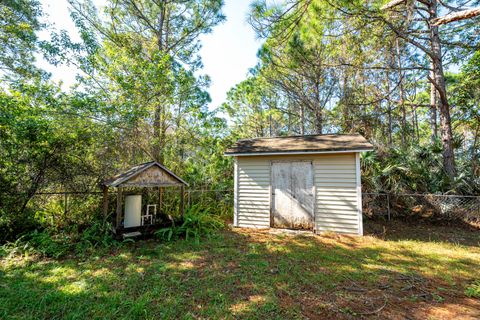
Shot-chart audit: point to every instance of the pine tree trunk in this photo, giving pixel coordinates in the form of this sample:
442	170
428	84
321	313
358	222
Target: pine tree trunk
444	108
158	128
302	120
158	136
390	140
415	116
389	103
318	122
318	110
433	108
270	131
402	95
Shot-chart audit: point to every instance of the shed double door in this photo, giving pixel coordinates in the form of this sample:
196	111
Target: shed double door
292	195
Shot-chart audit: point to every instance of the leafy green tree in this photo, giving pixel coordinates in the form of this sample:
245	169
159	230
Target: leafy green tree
48	143
254	109
465	90
145	61
19	24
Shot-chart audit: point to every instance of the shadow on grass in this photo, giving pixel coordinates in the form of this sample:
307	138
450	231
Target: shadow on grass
244	274
457	233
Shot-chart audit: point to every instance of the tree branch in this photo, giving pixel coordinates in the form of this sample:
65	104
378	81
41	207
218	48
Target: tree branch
456	16
392	4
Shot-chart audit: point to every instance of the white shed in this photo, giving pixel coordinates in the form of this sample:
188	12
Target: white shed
299	182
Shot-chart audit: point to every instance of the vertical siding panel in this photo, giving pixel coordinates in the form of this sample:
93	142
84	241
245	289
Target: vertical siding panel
235	192
270	194
359	193
336	182
253	188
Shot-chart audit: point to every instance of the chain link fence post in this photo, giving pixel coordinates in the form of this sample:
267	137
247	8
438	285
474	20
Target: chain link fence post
388	206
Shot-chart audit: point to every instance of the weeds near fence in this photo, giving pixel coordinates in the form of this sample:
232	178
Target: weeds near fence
58	243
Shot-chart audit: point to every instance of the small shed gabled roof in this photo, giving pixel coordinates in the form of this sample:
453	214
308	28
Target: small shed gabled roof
319	143
133	177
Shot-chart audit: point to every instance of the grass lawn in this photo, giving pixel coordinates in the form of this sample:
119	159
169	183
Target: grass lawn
257	274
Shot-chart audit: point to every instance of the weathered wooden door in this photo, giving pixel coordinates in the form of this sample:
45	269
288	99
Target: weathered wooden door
292	195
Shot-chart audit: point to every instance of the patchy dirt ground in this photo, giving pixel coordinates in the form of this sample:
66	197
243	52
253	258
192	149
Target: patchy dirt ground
397	271
460	233
420	291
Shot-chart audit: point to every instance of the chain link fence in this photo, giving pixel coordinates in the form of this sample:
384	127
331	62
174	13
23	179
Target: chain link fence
81	207
64	208
376	205
218	201
432	206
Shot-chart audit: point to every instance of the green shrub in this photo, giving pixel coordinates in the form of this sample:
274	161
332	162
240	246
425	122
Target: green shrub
197	222
36	242
48	245
473	290
97	235
13	225
57	243
170	233
218	203
19	247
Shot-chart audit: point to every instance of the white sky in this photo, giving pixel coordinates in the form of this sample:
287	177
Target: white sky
227	53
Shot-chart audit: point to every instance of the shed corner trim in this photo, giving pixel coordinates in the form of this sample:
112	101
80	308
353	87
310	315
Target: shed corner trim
359	193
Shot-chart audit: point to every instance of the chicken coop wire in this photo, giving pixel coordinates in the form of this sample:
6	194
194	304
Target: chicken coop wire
434	206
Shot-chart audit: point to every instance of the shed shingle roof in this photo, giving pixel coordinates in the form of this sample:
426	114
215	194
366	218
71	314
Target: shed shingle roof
321	143
117	180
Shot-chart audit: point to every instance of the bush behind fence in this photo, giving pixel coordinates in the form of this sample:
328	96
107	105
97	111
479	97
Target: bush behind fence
433	206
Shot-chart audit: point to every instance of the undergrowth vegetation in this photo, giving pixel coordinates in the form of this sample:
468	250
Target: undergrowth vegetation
57	240
57	243
197	222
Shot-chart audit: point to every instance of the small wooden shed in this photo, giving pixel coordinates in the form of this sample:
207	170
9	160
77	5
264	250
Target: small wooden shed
299	182
130	215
